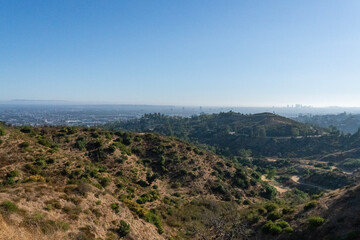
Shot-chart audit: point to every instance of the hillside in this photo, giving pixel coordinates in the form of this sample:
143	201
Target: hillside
91	183
339	209
81	183
265	134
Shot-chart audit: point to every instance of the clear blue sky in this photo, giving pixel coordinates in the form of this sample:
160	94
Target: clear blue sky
182	52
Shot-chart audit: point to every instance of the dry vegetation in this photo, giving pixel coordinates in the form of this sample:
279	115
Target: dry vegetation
80	183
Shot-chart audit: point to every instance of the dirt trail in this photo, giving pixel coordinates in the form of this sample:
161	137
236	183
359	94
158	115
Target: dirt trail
296	179
279	189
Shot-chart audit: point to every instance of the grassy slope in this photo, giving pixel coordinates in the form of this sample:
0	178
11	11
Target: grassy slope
83	182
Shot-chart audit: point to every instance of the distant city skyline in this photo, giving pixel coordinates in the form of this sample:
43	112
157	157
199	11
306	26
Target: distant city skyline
183	53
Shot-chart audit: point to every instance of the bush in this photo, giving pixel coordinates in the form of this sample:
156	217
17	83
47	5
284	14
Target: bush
12	174
115	207
26	129
288	229
310	205
148	197
104	181
111	149
8	207
314	222
270	192
93	145
135	207
276	228
121	159
271	228
124	229
152	217
24	145
80	144
287	210
274	215
282	224
45	142
271	207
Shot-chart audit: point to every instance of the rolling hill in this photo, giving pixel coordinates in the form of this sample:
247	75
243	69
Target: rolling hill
88	183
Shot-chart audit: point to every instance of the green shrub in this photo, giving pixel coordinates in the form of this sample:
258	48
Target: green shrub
94	144
24	145
124	229
153	218
8	207
80	143
271	228
274	215
46	142
10	181
111	149
148	197
270	192
115	207
26	129
121	159
12	174
271	207
104	181
70	130
314	222
135	207
310	205
288	210
283	224
40	162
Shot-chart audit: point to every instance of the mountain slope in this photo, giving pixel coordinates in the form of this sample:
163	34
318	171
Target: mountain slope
81	183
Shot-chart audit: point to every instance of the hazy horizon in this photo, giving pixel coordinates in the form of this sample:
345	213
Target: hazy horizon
184	53
69	102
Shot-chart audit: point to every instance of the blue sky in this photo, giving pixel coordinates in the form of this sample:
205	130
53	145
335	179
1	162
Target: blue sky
182	52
